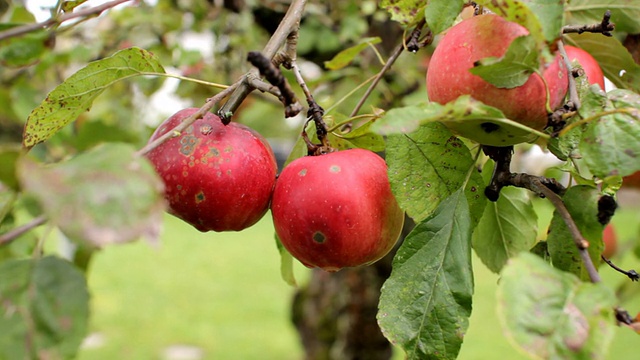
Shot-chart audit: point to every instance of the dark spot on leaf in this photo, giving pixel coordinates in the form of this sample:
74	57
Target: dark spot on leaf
489	127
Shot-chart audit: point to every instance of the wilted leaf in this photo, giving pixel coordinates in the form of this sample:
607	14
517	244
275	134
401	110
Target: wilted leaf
406	12
514	68
582	203
426	302
106	195
76	94
508	227
45	306
440	14
624	13
428	165
553	315
346	56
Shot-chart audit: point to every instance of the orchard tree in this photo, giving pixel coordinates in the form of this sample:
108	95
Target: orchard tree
448	92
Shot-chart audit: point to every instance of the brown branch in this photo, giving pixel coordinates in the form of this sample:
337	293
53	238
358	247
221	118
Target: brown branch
631	274
57	20
289	24
15	233
605	27
274	76
392	59
573	90
543	187
176	131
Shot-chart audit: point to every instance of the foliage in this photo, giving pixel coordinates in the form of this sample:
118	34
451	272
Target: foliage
79	97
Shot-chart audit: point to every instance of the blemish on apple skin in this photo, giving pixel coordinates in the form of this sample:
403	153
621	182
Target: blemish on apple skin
200	197
302	172
206	129
334	169
319	237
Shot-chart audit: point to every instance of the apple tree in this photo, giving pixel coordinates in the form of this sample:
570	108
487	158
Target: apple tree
451	93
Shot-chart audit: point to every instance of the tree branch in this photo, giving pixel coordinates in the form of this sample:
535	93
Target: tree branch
15	233
289	24
605	27
57	20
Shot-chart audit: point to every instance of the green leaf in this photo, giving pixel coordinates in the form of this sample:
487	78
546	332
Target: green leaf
9	155
518	12
360	137
611	144
508	227
614	59
46	308
551	12
344	57
76	94
426	302
464	116
553	315
582	203
440	14
23	50
428	165
286	263
106	195
624	13
406	12
514	68
68	6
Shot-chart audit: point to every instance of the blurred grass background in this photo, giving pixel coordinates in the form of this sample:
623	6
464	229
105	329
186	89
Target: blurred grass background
220	294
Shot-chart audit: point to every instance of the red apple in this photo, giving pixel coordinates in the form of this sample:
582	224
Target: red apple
216	177
610	241
631	181
336	210
448	77
591	67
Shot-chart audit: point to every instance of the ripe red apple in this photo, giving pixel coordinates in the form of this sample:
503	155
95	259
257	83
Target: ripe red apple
336	210
631	181
610	241
591	67
216	177
448	77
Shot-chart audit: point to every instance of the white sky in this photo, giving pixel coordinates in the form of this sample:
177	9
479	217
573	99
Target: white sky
40	8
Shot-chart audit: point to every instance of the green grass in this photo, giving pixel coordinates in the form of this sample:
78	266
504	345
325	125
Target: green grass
222	292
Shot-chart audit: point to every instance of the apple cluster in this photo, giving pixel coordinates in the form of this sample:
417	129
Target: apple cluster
484	36
330	211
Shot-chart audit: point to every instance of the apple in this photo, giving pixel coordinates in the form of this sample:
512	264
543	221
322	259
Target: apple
216	177
448	77
610	241
631	181
590	66
336	210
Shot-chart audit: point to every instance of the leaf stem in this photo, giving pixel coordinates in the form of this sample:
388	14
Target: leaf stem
180	77
628	111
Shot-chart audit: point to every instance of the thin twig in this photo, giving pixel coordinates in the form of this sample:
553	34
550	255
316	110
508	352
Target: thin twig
273	75
605	27
53	21
573	91
631	274
290	23
175	132
15	233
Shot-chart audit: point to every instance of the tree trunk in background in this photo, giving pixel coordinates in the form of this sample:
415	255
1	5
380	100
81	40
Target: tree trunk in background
335	313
